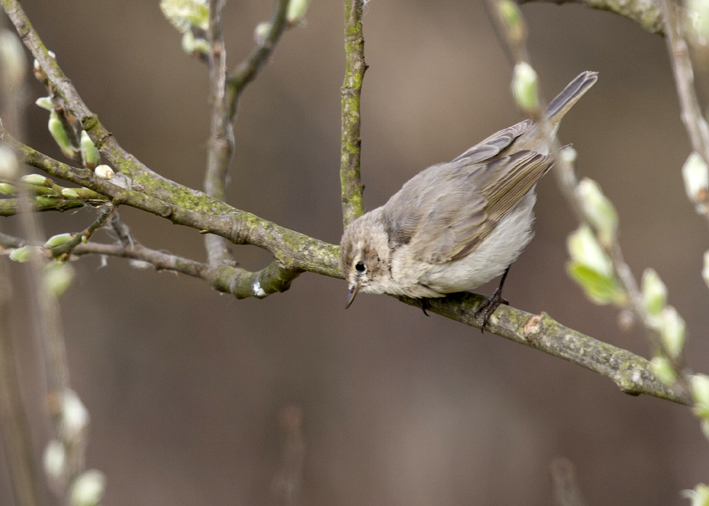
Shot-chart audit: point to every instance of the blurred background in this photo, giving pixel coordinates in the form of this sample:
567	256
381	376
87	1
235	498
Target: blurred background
186	388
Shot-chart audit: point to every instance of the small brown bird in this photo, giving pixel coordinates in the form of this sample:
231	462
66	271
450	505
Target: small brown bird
457	225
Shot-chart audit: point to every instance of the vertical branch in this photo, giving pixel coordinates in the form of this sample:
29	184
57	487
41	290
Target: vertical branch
355	67
13	419
221	140
225	92
14	424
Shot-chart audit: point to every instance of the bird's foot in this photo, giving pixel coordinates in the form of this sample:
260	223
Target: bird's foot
425	305
489	306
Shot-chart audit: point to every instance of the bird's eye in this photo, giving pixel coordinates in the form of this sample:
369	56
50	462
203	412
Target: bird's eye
360	266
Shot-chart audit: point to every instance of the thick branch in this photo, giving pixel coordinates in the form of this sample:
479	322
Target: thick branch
646	13
292	250
631	373
355	67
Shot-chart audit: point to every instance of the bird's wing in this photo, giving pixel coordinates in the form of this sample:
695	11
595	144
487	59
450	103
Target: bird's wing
446	211
493	145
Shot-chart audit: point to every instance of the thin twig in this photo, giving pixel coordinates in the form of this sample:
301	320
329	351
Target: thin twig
248	69
64	251
351	148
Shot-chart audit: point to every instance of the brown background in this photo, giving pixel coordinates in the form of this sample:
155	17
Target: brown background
184	386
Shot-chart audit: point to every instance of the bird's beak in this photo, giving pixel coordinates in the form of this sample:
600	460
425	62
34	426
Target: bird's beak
353	294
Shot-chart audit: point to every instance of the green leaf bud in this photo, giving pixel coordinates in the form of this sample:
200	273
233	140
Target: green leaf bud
61	137
57	278
696	180
663	370
9	168
201	46
58	240
88	489
75	416
700	389
70	193
585	250
261	32
296	10
183	14
89	153
697	21
37	180
654	292
45	103
599	211
513	19
700	495
104	172
14	61
22	254
7	189
524	87
599	289
188	42
54	460
672	331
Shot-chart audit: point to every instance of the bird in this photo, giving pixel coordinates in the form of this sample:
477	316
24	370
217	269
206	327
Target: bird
457	225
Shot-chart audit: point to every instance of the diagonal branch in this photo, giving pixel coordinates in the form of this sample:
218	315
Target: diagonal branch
646	13
631	373
248	69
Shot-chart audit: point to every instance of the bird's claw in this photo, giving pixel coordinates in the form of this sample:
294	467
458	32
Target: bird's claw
489	306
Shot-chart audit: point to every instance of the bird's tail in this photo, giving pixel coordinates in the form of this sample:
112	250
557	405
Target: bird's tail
558	107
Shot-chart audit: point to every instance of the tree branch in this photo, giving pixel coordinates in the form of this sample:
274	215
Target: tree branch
630	372
646	13
142	188
355	67
221	140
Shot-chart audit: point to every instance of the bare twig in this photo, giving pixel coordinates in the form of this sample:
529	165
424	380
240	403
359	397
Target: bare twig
248	69
355	67
64	251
